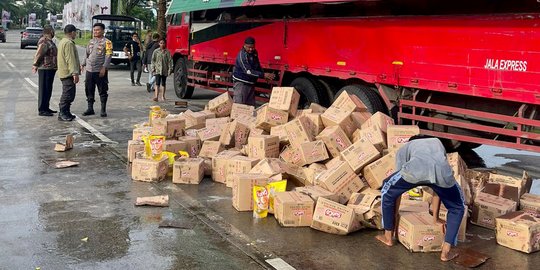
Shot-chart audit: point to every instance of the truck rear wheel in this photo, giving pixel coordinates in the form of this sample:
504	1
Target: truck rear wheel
308	90
367	95
181	88
328	95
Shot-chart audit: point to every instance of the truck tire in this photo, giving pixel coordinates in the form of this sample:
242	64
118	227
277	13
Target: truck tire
328	94
181	88
308	90
367	95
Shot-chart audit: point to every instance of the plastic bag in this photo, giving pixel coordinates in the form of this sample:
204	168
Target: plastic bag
273	188
261	199
153	146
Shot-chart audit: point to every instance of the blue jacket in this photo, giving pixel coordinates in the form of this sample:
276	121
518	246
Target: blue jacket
247	68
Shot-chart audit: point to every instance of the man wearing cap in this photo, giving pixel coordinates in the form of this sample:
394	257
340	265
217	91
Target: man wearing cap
247	70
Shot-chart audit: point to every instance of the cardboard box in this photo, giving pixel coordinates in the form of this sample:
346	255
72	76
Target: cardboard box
298	132
239	110
367	208
360	118
292	155
139	132
360	154
219	165
419	233
376	172
191	133
284	99
530	203
333	217
294	174
514	186
242	190
188	171
335	140
219	122
269	117
168	127
269	166
148	170
236	165
312	152
375	136
341	180
314	124
207	166
357	135
234	134
408	206
195	120
293	209
210	149
398	135
303	112
221	105
316	192
134	147
462	233
338	117
487	207
174	146
312	171
333	162
193	145
349	102
316	108
380	121
281	133
519	231
263	146
210	133
476	180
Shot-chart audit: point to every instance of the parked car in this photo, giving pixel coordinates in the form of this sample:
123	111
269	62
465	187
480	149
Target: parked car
2	33
30	36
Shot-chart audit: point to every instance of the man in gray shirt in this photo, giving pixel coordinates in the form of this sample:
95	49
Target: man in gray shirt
422	162
98	58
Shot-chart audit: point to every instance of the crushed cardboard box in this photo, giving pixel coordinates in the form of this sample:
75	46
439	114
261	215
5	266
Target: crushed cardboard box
519	230
418	232
487	207
367	207
316	192
66	145
530	203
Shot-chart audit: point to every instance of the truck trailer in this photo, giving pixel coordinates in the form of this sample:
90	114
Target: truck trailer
472	79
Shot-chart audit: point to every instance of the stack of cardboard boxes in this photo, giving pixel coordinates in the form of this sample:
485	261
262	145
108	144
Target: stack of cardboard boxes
335	160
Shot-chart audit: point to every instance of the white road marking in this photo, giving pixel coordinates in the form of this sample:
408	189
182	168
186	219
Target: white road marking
280	264
11	64
83	123
31	82
3	55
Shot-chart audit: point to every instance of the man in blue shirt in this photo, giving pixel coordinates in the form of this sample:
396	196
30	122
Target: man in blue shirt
247	70
422	162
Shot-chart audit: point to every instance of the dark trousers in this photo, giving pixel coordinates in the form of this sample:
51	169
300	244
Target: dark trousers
244	93
135	64
102	83
68	94
46	79
451	197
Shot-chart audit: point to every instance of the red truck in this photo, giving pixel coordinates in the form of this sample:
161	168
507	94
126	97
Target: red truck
472	79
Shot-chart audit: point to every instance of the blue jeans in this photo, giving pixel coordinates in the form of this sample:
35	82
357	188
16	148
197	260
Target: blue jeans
452	198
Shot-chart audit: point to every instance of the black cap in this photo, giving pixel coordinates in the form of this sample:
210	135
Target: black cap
249	41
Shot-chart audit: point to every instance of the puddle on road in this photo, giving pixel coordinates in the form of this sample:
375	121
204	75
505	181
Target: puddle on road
108	238
492	155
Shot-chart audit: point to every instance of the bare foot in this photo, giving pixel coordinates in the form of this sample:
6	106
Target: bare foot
447	254
163	99
155	99
384	240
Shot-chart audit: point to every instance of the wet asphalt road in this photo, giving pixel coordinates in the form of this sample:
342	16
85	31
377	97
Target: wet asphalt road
46	213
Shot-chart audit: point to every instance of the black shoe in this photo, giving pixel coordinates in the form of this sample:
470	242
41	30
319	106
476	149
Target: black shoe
52	111
103	114
64	117
46	113
71	115
139	84
88	112
132	84
148	87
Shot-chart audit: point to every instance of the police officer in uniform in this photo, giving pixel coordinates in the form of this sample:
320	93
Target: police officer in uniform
97	61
